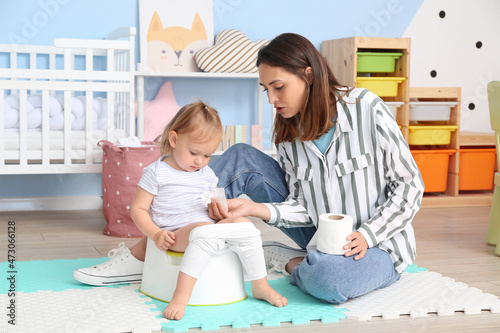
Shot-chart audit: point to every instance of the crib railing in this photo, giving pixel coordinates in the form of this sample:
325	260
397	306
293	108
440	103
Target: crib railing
71	67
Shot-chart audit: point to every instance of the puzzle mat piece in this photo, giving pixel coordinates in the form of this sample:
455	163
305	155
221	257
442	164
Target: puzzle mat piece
412	268
299	305
55	275
417	294
301	309
101	309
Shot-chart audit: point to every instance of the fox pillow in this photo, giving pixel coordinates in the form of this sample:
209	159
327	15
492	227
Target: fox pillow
172	49
233	52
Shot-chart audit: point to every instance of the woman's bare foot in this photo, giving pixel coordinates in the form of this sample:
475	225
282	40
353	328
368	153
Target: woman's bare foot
262	290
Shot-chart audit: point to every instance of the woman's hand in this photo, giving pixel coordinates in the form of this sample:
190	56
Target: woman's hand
357	245
236	208
164	239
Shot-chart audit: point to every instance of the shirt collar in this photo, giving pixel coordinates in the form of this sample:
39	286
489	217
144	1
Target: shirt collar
344	123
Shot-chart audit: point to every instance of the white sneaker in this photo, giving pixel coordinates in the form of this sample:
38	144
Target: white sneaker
122	267
277	255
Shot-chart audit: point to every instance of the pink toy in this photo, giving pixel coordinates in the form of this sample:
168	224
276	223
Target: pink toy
158	112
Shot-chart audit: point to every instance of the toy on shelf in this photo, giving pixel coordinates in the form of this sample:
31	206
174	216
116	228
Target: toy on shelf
233	52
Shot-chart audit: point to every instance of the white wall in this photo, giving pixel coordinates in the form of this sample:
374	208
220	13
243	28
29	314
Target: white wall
40	21
448	46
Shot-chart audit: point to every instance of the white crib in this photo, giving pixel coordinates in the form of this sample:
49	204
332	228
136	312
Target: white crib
57	102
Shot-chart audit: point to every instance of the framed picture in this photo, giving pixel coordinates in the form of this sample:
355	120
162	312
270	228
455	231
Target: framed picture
172	31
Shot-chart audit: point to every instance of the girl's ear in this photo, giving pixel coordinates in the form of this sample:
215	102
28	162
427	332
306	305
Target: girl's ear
309	74
172	138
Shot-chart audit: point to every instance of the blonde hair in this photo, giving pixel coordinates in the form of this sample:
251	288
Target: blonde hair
195	117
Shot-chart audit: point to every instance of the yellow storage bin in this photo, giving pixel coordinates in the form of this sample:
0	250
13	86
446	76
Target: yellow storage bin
422	135
382	86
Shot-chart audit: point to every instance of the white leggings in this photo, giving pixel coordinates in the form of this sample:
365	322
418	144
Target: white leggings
242	238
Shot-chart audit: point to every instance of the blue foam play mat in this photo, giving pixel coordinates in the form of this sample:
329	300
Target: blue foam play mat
301	309
56	276
47	294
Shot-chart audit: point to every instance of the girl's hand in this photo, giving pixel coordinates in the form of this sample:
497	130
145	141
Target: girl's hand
237	208
357	245
164	239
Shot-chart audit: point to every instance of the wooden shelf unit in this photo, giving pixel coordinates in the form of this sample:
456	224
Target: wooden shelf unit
445	95
341	55
477	139
452	197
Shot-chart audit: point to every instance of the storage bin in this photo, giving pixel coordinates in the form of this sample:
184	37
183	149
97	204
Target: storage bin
121	172
431	111
377	62
476	169
393	107
383	86
430	134
433	165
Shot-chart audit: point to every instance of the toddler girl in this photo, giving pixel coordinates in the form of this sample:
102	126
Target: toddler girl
168	207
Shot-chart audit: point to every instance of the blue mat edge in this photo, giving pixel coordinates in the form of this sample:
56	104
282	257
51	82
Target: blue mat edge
173	326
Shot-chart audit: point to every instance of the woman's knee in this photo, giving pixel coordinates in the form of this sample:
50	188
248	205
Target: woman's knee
335	279
242	149
235	153
320	279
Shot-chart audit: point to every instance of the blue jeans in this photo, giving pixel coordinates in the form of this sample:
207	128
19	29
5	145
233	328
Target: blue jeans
243	169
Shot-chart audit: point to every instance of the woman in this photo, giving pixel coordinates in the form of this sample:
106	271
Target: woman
339	150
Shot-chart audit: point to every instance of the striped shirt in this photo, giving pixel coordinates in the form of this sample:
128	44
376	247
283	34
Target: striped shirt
367	172
177	200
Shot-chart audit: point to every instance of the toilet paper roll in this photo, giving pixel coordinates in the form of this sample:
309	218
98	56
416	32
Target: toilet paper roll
332	232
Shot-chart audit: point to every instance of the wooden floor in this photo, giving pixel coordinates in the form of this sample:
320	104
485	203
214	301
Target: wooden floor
450	241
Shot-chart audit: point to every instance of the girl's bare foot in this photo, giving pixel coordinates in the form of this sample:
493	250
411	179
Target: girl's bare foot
176	308
262	290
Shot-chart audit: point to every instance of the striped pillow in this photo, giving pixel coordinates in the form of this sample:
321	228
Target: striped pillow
233	52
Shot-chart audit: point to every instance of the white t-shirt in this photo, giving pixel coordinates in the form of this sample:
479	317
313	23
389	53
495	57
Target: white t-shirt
177	200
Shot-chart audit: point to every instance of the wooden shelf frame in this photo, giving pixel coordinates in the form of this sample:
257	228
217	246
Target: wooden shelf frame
341	55
446	94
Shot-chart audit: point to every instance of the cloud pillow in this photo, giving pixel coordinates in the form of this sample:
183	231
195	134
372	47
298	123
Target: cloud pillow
233	52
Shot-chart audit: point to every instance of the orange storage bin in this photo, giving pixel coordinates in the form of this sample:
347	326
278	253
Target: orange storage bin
477	168
433	165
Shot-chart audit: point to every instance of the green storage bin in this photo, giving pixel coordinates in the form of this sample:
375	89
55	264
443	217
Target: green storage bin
377	62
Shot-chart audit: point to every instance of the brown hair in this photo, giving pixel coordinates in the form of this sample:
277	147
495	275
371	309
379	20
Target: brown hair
294	53
196	116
